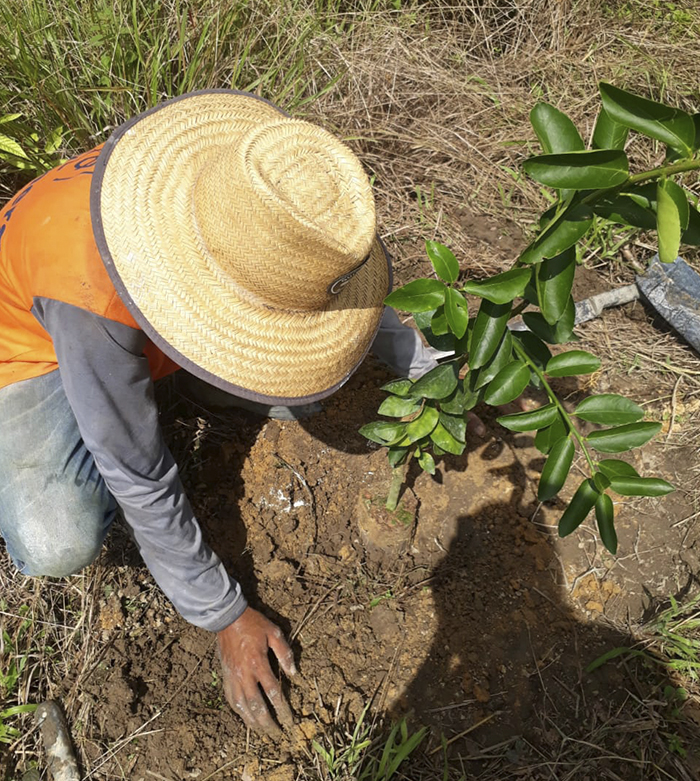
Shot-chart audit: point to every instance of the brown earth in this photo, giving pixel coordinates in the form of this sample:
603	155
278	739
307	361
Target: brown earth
481	616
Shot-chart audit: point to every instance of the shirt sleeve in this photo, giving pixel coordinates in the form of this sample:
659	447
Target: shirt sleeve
108	384
401	349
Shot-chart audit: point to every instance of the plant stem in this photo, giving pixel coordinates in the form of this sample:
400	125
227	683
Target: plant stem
398	475
534	367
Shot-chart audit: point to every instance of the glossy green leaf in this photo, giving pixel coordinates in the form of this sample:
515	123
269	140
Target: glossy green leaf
559	235
536	349
669	125
438	383
530	421
456	312
508	384
456	425
422	425
585	170
489	327
672	218
608	134
581	504
546	438
601	481
621	438
503	356
462	399
555	278
502	288
384	432
397	455
555	131
445	441
624	210
444	262
642	194
560	333
605	517
397	407
420	295
398	387
438	322
571	363
556	469
640	486
424	320
609	409
613	467
426	463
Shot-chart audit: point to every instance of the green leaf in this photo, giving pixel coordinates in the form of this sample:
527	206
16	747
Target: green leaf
672	216
489	327
613	467
669	125
384	432
9	118
438	322
10	146
422	425
444	440
643	195
530	421
555	131
535	348
457	426
560	333
621	438
398	387
418	296
504	355
605	516
424	322
556	469
456	312
555	278
508	384
548	437
585	170
444	262
625	211
640	486
396	407
397	455
609	409
427	463
438	383
571	363
502	288
463	398
559	235
608	134
601	481
579	507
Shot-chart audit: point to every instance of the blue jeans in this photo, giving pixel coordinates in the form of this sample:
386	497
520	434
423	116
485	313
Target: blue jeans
55	509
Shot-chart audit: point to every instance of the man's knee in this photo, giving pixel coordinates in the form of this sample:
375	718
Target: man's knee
62	539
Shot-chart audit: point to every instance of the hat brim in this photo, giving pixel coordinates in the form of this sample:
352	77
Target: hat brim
145	229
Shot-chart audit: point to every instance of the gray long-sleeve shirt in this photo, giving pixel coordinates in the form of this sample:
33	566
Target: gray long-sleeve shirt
108	385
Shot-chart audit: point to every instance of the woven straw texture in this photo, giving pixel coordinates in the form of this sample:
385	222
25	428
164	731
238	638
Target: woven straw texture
228	224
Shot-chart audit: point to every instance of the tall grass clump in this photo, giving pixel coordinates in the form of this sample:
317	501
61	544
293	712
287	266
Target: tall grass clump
73	69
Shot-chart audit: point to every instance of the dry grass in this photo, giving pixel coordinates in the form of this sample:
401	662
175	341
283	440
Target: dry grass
435	97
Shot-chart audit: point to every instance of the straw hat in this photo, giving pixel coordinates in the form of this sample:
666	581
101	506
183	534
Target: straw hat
244	244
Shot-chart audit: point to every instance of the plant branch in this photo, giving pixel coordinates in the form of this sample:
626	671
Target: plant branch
555	399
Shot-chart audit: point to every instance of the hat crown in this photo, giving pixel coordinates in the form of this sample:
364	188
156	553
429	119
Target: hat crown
287	214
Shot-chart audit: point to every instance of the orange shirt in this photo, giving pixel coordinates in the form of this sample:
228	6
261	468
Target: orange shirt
47	250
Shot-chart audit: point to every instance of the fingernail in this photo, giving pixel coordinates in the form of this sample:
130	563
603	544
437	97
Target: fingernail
293	669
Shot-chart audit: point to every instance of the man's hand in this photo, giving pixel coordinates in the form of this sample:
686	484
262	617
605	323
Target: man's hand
243	648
